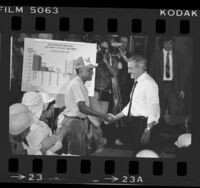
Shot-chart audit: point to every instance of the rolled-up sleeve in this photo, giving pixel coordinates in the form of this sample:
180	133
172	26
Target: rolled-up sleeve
152	100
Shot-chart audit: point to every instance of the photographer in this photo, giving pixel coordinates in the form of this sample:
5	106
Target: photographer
119	51
103	91
125	82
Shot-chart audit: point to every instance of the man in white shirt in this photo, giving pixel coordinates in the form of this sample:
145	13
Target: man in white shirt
143	109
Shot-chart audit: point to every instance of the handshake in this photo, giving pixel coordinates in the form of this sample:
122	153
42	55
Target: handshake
110	118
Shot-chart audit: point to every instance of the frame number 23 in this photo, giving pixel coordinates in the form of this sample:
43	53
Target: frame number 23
35	177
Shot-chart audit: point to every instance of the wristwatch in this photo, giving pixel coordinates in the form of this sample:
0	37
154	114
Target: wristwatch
148	128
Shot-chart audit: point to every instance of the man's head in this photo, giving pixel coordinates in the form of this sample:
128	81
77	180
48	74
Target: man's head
166	43
124	41
85	73
137	66
84	68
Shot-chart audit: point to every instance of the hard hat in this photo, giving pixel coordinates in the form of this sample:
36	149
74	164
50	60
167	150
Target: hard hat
183	140
46	97
18	108
32	98
34	102
19	122
147	154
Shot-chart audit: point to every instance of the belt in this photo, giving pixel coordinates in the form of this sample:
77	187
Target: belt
103	90
75	117
139	117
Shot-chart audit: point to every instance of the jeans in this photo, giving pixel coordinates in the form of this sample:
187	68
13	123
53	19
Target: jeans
98	138
73	136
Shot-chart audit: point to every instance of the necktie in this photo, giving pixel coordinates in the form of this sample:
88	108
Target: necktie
129	110
167	66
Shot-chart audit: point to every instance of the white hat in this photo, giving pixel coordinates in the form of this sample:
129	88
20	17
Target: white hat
19	122
34	102
147	154
18	108
83	62
184	140
46	97
31	98
20	118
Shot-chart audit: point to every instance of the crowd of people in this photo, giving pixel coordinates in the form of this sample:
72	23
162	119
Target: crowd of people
140	99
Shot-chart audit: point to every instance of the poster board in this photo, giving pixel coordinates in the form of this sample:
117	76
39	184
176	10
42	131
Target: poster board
48	65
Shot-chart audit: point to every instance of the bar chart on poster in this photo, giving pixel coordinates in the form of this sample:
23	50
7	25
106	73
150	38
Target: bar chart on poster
48	65
49	75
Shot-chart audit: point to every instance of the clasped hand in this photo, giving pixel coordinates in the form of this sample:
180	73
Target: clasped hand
110	118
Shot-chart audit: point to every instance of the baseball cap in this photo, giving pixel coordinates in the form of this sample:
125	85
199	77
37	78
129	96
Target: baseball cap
83	62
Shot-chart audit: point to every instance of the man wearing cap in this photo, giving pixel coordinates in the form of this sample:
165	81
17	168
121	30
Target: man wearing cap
77	108
40	134
20	121
143	109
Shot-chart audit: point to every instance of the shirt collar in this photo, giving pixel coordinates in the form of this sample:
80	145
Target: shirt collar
165	51
141	77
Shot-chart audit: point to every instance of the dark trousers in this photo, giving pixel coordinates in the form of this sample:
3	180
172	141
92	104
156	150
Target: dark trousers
136	127
169	99
73	136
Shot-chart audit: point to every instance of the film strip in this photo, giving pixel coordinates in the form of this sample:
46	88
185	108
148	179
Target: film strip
44	34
